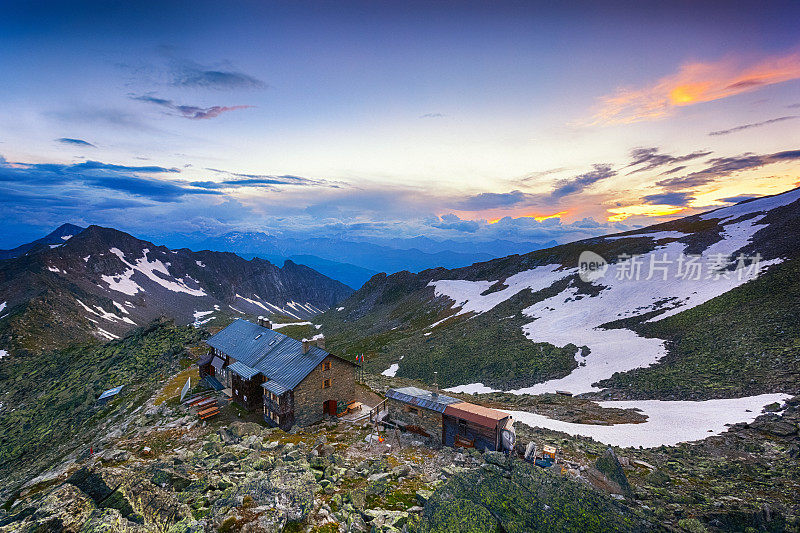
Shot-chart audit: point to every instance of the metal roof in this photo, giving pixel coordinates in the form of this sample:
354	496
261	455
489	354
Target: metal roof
271	353
217	363
476	414
110	392
243	370
422	398
274	387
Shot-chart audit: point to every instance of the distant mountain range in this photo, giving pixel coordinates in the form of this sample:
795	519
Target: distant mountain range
77	283
679	311
354	262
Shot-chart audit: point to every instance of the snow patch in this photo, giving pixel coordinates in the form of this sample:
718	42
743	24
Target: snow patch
155	270
66	237
54	246
472	388
668	422
111	317
569	317
3	353
279	326
106	334
755	206
655	235
392	370
54	269
198	318
340	308
200	264
86	259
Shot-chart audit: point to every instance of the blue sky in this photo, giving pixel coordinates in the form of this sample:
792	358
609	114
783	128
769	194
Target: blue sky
461	120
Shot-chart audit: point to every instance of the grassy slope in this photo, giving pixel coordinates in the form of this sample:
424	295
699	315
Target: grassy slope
488	348
744	342
49	399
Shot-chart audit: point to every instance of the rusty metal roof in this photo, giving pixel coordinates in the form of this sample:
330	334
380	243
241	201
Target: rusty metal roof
477	414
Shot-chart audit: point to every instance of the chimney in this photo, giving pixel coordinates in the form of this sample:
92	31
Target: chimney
306	345
435	384
264	322
321	343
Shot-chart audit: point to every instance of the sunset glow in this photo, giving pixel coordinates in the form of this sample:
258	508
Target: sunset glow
464	124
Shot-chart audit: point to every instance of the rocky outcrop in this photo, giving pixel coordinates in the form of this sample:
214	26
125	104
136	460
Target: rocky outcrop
506	494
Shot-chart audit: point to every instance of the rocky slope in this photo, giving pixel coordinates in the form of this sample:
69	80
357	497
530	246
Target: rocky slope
102	282
649	325
143	462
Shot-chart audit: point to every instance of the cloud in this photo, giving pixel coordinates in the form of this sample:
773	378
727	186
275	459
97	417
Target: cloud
753	125
453	222
189	74
189	111
236	180
681	199
541	174
579	183
673	170
492	200
37	182
75	142
97	165
724	166
433	115
651	158
693	83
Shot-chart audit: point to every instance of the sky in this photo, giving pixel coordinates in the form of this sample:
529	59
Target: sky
457	120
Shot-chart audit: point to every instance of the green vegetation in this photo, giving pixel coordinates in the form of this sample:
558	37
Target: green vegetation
49	400
745	342
490	347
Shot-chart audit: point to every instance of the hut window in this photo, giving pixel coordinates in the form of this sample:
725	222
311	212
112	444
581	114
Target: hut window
412	410
326	365
327	383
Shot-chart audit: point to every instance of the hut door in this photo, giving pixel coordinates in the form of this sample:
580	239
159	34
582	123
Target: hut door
329	407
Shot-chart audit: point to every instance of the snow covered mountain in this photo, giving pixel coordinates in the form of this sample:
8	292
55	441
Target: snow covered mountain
701	307
102	282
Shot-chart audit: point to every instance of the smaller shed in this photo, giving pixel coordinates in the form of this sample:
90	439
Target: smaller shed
418	410
471	425
109	395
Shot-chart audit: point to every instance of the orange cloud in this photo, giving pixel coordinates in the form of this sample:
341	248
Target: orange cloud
694	83
537	218
623	213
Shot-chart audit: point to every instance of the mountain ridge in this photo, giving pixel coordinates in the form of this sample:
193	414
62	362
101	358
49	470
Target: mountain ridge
103	282
412	324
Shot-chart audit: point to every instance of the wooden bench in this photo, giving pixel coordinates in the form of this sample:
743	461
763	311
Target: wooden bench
208	413
201	399
205	403
354	406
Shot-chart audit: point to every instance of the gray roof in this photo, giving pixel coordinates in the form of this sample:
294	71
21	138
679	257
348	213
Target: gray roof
274	387
243	370
422	398
272	354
